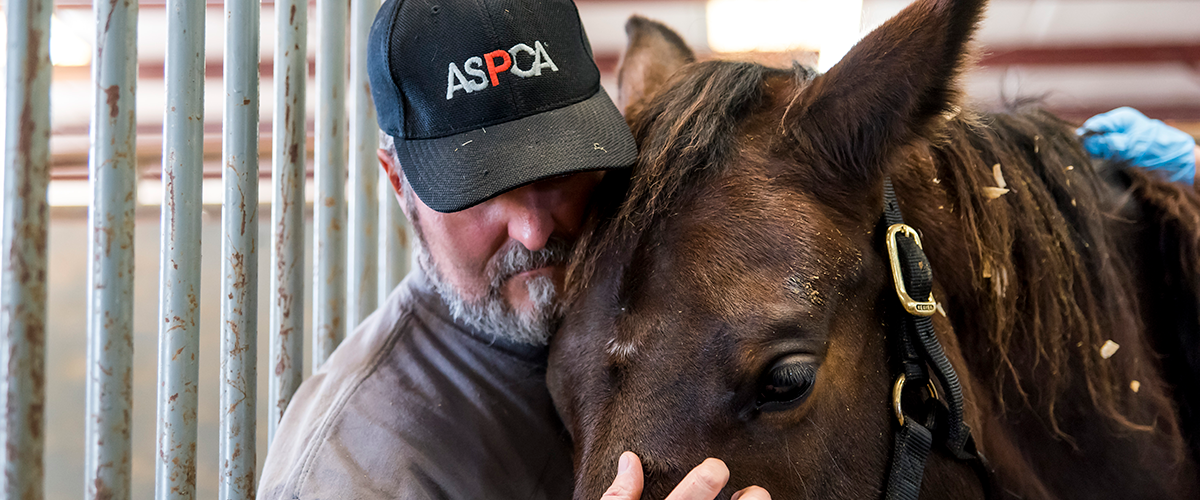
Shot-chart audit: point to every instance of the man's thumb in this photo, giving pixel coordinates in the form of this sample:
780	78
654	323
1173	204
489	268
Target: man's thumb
628	483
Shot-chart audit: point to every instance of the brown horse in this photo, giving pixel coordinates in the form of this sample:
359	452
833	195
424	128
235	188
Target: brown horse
734	300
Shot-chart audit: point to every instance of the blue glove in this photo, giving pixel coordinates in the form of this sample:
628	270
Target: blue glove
1127	134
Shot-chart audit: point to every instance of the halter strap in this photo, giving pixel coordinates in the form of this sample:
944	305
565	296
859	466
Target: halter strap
918	352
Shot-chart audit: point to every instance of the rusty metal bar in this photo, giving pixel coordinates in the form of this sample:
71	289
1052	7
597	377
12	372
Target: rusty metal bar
364	174
393	241
179	268
113	164
329	216
23	281
239	251
287	209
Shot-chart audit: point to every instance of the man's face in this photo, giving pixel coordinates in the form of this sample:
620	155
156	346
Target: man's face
500	264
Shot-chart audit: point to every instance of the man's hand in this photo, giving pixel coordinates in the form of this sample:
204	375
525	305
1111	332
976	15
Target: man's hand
1127	134
702	483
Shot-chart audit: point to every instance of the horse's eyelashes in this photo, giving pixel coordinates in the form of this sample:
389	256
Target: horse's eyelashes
787	382
790	375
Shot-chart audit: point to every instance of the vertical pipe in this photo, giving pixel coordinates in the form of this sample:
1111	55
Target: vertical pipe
239	250
179	268
287	209
364	173
329	245
108	461
23	281
393	241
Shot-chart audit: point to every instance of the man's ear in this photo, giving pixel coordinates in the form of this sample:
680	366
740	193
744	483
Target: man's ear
392	169
652	56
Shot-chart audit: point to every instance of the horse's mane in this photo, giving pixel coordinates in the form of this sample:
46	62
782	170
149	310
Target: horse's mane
1048	279
1052	282
1060	250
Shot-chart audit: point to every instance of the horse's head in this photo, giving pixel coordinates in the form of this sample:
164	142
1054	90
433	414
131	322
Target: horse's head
730	306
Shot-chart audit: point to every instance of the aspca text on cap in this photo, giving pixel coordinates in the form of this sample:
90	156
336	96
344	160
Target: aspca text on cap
507	61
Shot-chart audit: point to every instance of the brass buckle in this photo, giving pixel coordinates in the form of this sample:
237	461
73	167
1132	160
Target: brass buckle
913	307
898	391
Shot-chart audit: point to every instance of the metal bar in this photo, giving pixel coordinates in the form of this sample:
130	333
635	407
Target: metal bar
23	281
329	216
364	173
179	269
113	164
239	250
287	209
393	241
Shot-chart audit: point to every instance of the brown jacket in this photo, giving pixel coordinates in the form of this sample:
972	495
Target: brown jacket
413	405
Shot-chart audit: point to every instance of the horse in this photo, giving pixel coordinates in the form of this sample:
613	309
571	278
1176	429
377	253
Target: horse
732	296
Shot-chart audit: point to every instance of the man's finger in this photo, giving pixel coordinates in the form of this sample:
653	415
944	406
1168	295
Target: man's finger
1108	146
703	482
752	493
628	483
1118	120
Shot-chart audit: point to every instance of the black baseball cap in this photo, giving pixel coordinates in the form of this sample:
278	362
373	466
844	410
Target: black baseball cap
484	96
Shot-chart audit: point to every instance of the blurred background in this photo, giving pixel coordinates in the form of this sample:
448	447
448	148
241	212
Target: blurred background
1081	57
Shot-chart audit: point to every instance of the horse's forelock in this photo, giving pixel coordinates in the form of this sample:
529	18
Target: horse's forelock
685	134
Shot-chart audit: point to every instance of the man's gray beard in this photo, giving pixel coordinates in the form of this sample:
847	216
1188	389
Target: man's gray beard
492	313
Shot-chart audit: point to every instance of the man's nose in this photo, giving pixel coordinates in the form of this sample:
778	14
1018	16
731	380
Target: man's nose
530	216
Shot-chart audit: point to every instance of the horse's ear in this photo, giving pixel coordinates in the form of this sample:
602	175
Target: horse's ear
890	88
653	54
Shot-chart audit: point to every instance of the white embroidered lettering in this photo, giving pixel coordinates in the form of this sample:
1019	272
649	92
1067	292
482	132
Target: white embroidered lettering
486	69
474	67
543	59
516	67
453	75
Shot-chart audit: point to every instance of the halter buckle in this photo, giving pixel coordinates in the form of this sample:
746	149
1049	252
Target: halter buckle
914	307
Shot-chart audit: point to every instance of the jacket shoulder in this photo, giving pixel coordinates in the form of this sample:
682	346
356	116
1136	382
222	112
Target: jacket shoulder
303	432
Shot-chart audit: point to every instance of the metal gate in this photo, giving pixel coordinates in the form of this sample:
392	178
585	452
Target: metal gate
357	242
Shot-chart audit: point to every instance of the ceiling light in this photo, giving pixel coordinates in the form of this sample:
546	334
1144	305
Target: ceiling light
829	27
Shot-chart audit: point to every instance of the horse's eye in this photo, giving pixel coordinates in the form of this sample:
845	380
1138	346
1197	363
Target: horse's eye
786	383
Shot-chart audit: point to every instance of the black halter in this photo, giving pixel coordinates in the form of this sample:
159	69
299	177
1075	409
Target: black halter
918	352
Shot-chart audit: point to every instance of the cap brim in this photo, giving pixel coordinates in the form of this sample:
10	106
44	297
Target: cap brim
459	171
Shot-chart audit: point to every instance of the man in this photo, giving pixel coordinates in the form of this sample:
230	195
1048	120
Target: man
497	130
